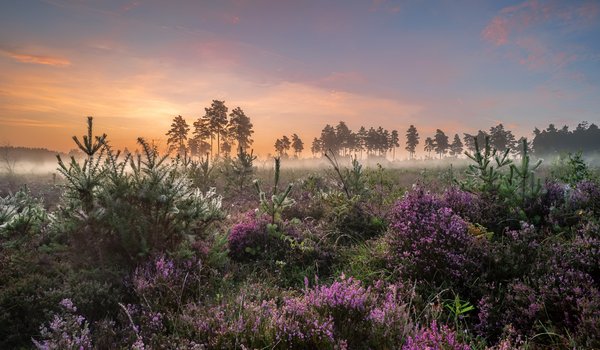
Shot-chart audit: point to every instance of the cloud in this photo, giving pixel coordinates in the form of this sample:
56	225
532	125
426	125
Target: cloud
37	59
532	33
29	123
514	20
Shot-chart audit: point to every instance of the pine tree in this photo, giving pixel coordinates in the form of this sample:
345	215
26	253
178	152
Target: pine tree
329	139
316	147
361	141
441	142
429	146
297	145
342	133
217	116
394	142
502	139
456	148
201	134
178	135
412	140
240	128
279	147
286	144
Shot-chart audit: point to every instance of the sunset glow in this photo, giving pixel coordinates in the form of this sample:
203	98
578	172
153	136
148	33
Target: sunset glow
294	66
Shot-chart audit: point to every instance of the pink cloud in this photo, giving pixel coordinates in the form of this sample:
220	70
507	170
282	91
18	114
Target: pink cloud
513	20
516	28
496	31
37	59
130	6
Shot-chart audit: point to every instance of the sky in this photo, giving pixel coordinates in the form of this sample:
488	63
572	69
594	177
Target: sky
294	66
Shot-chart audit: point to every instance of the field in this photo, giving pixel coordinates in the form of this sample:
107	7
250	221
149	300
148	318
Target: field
147	252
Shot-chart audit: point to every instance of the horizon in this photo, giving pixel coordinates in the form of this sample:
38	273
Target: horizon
295	67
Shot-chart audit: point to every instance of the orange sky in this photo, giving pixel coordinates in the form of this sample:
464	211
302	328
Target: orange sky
293	66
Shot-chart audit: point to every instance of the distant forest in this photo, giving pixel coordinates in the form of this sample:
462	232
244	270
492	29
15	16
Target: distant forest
381	142
218	134
35	155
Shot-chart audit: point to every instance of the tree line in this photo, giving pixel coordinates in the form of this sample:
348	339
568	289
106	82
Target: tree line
217	132
284	144
341	140
215	129
584	138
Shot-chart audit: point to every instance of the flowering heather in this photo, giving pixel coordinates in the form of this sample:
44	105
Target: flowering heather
148	276
248	237
345	293
67	330
429	242
587	196
435	337
345	311
165	284
466	204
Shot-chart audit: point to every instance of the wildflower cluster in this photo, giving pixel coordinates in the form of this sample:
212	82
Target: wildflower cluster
67	330
430	243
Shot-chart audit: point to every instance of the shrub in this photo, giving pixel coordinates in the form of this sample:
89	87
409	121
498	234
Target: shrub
344	312
111	213
435	337
67	330
428	242
249	238
21	215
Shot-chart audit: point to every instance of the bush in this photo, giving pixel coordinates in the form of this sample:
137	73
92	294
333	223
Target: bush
428	242
435	337
68	330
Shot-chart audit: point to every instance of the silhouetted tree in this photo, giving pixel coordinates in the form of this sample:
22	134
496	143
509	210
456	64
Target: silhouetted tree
585	138
297	145
201	134
456	148
412	140
240	128
286	143
501	139
316	147
519	151
441	142
361	139
226	147
343	135
429	146
329	139
279	148
469	140
178	135
282	145
394	142
217	116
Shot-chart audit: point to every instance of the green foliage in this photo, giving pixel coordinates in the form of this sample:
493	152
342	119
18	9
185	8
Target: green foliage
514	187
571	169
21	215
239	170
365	261
522	182
279	200
200	172
459	310
152	207
352	181
483	176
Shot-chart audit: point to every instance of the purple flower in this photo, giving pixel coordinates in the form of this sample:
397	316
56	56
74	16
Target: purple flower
434	337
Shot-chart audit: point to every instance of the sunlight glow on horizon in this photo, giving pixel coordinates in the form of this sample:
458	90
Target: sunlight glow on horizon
294	67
